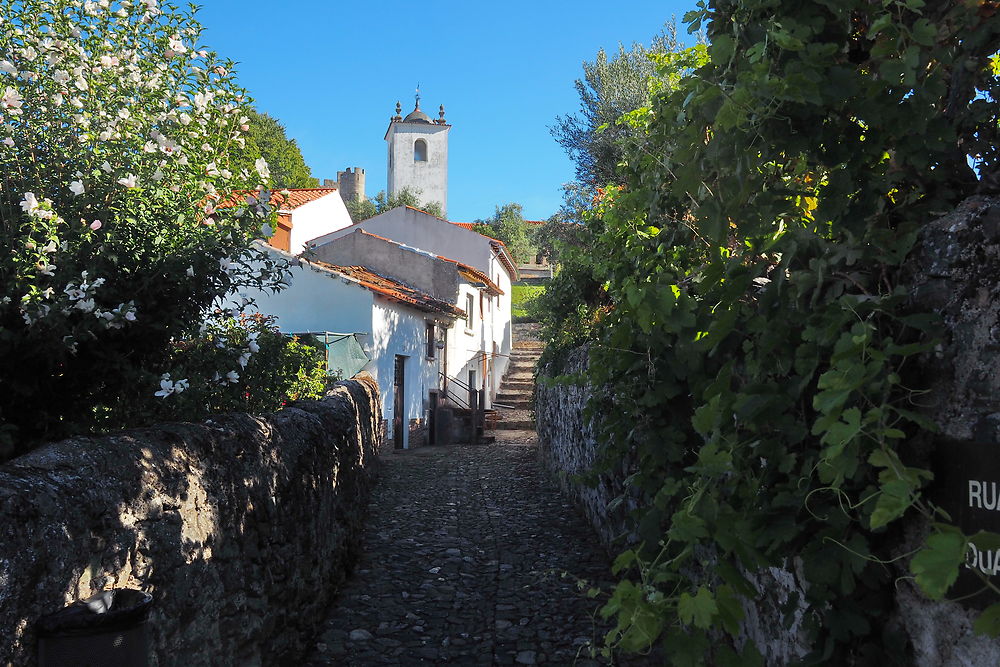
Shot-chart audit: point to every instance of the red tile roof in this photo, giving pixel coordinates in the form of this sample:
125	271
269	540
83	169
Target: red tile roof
469	272
298	196
393	289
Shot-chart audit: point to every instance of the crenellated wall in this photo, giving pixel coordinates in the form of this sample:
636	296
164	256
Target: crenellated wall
241	527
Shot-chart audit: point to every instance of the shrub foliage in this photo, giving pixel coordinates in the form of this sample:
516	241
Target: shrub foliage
119	223
744	297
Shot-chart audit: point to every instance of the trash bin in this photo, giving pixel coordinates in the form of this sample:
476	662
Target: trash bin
107	630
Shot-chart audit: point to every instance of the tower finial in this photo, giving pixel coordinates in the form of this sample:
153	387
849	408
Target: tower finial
417	105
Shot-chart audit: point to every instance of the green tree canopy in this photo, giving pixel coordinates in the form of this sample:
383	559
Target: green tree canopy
507	225
380	203
266	138
609	88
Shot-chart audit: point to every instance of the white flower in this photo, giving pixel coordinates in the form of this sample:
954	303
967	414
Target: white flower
7	67
104	136
8	141
11	100
29	203
29	53
190	272
86	305
226	264
157	175
95	225
76	187
61	77
167	386
128	181
106	167
261	166
57	99
244	358
46	269
253	347
176	45
233	376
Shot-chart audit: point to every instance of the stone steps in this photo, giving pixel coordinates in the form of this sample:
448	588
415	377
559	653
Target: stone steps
512	397
515	425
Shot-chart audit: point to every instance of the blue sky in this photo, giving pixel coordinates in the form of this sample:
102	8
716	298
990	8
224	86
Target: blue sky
332	72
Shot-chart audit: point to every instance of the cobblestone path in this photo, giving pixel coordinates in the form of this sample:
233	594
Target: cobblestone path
463	560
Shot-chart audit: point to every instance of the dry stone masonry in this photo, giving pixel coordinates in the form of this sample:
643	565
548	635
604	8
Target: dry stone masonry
241	527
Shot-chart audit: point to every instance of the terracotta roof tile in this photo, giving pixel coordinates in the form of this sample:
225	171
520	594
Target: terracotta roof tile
393	289
296	197
299	196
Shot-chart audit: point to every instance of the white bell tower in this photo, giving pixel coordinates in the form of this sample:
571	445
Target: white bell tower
418	154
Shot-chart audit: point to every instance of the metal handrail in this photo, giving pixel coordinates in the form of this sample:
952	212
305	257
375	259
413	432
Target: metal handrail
456	397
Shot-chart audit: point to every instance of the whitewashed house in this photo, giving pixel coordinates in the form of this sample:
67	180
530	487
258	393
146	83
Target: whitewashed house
396	324
305	213
469	349
489	326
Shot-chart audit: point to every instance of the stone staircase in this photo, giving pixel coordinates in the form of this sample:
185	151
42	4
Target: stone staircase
514	399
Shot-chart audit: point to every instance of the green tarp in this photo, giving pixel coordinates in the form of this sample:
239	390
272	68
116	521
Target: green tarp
344	355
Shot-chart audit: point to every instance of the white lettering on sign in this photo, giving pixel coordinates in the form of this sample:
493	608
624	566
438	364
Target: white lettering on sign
983	495
987	562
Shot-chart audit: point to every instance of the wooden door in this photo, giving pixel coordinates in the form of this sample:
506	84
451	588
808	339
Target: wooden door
398	402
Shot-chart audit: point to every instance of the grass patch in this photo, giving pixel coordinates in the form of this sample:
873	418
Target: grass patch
522	297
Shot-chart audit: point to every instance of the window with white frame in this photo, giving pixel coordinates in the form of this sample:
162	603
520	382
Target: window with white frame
470	310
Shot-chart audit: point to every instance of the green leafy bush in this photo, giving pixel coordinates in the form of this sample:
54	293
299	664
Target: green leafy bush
749	314
261	370
523	300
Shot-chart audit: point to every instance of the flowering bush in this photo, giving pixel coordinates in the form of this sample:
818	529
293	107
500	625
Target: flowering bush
119	228
245	364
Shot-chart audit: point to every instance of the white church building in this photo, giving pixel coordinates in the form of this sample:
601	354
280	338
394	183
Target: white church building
417	155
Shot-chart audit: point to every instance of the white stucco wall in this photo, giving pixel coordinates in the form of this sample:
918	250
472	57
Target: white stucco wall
318	217
317	300
399	330
430	176
440	237
427	232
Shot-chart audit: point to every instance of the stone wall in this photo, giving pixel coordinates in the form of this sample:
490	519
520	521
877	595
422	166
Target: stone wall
241	527
953	271
956	273
568	446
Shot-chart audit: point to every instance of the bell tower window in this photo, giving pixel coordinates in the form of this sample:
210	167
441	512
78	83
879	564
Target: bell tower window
420	151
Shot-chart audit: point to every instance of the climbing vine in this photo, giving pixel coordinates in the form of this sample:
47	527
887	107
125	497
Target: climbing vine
749	315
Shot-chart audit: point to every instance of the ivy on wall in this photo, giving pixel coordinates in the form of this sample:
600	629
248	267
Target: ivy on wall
743	293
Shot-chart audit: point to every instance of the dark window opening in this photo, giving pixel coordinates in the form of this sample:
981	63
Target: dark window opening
420	151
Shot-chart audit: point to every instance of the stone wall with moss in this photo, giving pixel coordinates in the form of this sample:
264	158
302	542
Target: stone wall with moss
241	527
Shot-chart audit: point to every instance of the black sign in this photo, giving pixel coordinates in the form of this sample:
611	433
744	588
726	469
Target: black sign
967	486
